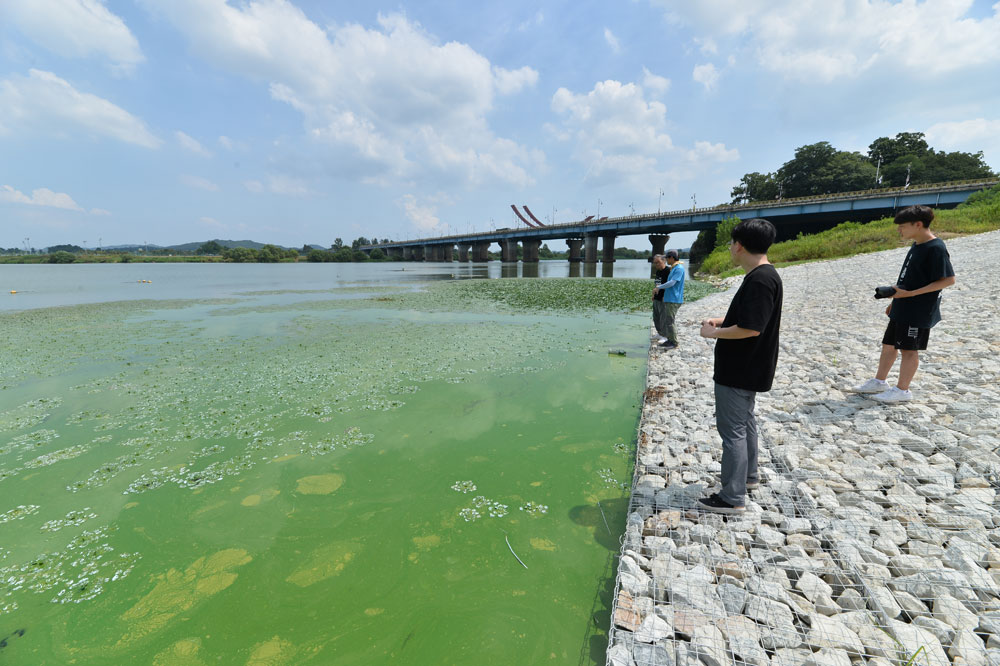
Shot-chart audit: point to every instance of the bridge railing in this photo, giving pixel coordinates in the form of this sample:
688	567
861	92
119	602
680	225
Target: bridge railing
735	208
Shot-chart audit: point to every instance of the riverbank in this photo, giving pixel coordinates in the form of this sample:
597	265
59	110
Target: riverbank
874	533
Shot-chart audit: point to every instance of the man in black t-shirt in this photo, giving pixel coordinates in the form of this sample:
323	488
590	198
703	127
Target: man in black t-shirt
916	305
746	355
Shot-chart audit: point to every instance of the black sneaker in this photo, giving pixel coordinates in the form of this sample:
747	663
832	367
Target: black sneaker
667	345
716	504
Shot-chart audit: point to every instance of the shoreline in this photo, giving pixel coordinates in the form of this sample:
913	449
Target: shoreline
874	533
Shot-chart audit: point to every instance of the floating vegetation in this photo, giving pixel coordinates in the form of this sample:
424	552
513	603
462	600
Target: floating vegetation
72	519
492	507
464	486
469	514
29	414
19	513
534	508
77	573
55	456
609	479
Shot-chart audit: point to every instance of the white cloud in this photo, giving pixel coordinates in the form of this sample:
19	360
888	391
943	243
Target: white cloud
612	41
191	144
509	82
656	84
712	152
40	197
278	184
392	99
620	137
99	211
537	20
42	101
963	134
707	75
423	216
826	41
199	183
76	28
226	142
211	222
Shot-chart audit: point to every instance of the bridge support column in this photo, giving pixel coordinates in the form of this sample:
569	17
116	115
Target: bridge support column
529	248
658	241
574	249
590	249
418	253
508	250
463	252
481	251
430	253
608	253
396	253
447	252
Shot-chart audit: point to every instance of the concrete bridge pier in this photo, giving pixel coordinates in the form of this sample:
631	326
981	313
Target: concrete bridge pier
658	241
574	269
590	249
481	251
396	253
508	250
608	251
447	252
418	253
429	253
574	249
463	252
529	248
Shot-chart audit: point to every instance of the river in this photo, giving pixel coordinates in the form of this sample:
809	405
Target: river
289	464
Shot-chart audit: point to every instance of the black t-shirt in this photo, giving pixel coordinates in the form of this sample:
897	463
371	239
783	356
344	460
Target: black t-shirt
749	363
662	276
925	263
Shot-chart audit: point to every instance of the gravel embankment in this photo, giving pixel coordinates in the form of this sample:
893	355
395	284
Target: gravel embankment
874	535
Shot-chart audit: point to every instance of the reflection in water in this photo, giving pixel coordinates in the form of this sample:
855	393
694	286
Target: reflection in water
574	269
529	270
509	269
590	270
608	269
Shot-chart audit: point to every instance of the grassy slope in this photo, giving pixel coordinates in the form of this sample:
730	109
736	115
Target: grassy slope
979	215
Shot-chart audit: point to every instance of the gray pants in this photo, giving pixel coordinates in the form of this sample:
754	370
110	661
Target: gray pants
663	319
735	420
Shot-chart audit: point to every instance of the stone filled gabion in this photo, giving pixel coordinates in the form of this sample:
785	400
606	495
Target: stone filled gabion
873	537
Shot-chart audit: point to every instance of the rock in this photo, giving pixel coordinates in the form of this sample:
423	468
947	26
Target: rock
653	628
708	643
652	654
813	586
619	655
941	631
743	638
912	638
828	657
832	633
626	614
851	599
951	611
968	647
768	612
733	598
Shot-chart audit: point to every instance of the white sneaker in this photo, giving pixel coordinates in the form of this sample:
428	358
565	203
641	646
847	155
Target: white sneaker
873	385
660	340
894	394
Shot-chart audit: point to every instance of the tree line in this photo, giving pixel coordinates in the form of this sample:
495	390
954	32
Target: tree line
819	168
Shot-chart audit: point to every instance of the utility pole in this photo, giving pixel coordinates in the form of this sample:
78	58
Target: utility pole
694	202
878	168
659	200
599	202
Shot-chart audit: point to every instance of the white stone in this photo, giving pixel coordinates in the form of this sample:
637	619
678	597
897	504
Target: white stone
653	628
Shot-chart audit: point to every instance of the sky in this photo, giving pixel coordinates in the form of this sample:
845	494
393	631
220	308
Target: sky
295	122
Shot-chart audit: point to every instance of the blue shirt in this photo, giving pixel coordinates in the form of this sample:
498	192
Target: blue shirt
673	288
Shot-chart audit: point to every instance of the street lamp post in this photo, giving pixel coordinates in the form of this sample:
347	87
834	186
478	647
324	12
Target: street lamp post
659	200
599	202
694	202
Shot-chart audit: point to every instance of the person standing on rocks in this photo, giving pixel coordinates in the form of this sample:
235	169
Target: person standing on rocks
915	306
746	356
668	295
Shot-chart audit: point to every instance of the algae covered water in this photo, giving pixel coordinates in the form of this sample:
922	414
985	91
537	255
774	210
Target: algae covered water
430	473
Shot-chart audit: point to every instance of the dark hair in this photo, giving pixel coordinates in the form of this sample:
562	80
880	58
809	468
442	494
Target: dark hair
756	235
922	214
672	254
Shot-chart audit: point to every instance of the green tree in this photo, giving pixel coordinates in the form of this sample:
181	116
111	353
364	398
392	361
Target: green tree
239	255
211	247
377	255
337	244
755	187
62	257
796	176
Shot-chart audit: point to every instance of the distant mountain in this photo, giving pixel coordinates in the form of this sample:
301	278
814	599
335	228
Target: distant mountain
191	247
133	246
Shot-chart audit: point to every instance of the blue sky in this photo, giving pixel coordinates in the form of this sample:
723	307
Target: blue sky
169	121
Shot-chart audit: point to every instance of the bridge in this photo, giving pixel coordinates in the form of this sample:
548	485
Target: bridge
788	215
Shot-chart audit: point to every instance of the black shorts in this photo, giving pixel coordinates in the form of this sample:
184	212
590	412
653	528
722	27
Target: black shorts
901	336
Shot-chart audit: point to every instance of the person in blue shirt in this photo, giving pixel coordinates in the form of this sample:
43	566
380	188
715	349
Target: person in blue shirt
668	294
